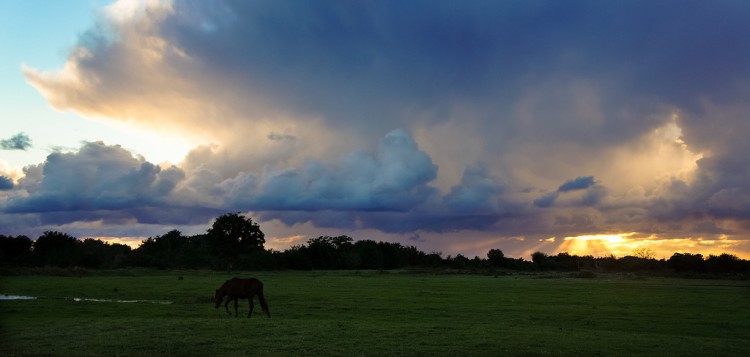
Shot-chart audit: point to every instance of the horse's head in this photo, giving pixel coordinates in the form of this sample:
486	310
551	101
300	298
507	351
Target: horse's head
218	297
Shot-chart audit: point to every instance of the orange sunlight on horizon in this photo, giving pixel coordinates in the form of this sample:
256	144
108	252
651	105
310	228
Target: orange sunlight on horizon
596	245
132	242
622	244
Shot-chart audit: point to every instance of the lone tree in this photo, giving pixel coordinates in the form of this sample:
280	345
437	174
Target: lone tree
496	257
233	234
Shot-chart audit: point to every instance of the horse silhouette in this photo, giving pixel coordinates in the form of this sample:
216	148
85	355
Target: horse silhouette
236	289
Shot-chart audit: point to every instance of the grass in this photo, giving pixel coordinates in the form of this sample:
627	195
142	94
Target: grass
367	313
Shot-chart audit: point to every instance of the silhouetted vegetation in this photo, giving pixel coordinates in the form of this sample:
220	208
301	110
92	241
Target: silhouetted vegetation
233	236
236	242
61	250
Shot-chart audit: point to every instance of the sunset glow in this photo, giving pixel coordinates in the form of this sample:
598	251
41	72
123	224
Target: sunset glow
624	244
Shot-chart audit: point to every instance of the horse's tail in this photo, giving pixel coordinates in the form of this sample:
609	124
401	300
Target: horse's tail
262	299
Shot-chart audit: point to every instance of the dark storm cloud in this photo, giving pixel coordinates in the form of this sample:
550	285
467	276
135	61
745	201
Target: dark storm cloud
20	141
337	59
364	67
579	183
348	62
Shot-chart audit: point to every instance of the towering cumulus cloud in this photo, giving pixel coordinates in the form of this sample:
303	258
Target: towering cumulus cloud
507	119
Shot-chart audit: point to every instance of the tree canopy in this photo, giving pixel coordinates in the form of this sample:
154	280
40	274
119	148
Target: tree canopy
233	235
234	241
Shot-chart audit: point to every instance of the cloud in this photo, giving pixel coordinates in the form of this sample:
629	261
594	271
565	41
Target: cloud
579	183
547	200
20	141
416	238
476	192
279	137
343	66
6	183
387	188
97	182
592	193
362	181
395	177
297	109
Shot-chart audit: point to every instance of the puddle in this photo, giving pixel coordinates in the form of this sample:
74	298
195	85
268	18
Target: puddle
15	297
21	297
162	302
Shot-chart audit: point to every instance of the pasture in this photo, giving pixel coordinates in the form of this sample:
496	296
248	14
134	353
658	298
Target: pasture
375	314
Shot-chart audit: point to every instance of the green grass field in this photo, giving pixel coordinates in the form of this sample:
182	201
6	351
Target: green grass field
367	313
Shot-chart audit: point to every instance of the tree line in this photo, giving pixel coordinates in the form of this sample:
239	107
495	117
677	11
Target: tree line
235	242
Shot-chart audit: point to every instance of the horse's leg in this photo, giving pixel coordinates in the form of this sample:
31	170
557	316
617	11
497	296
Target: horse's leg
226	306
235	306
250	299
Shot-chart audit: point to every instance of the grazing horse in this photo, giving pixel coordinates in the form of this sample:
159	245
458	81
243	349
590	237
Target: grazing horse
236	289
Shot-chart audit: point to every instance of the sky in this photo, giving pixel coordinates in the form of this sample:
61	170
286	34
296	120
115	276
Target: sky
588	127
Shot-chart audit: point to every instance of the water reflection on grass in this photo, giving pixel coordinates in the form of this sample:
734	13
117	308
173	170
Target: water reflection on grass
21	297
